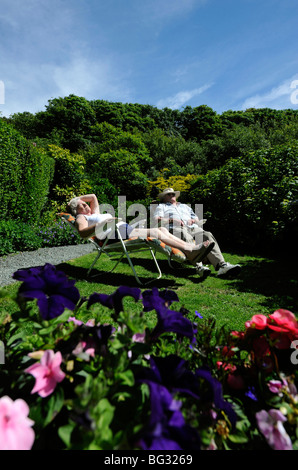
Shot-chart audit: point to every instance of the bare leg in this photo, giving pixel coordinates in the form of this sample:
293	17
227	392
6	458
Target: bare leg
164	236
174	239
191	251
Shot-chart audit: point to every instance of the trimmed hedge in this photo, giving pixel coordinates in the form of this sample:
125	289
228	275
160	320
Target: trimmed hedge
25	177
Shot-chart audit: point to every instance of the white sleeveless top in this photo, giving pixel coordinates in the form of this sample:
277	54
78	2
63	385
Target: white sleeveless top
95	218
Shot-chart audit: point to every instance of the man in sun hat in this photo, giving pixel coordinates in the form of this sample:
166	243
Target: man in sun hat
182	221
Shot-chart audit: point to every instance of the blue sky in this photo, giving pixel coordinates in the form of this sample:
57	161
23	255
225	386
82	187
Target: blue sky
226	54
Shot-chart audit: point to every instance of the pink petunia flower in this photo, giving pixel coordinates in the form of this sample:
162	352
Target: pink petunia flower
77	322
16	431
271	426
47	373
84	349
276	386
138	338
284	328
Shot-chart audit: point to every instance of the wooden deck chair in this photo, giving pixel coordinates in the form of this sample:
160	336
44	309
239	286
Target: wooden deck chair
116	251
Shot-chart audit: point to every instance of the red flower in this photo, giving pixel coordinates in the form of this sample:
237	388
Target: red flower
227	352
283	321
237	334
284	327
259	322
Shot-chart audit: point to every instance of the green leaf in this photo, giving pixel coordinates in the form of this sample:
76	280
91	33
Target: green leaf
54	405
103	414
238	437
127	377
64	432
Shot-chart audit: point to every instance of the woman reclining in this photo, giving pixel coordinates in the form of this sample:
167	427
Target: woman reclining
86	210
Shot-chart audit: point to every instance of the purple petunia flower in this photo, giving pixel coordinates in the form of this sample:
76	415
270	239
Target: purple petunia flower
171	321
168	320
114	301
198	314
52	289
153	299
167	429
217	394
172	372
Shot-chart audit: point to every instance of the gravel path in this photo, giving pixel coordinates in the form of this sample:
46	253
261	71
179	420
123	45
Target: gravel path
10	263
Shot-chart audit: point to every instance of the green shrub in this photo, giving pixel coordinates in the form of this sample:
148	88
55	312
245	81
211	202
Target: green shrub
17	236
26	172
69	169
250	199
57	234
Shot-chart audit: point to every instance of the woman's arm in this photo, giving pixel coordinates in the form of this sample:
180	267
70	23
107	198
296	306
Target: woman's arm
87	232
83	229
94	206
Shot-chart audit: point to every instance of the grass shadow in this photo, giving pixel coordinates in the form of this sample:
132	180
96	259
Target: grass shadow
276	279
115	278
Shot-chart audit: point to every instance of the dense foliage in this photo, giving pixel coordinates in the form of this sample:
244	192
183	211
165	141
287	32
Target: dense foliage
174	382
258	196
25	177
242	165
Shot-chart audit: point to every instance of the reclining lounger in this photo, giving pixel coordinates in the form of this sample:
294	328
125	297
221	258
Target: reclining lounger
122	248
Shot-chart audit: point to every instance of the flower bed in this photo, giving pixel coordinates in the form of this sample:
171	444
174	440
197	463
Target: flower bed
130	384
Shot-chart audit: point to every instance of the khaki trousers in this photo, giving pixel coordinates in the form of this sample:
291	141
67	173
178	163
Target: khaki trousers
215	256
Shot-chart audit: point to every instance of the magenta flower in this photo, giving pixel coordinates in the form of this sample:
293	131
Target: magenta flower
276	386
47	373
16	431
259	322
271	426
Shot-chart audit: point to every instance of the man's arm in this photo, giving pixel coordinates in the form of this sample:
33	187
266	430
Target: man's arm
193	218
165	217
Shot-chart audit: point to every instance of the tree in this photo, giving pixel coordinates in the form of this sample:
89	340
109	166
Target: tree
72	118
119	157
173	152
200	123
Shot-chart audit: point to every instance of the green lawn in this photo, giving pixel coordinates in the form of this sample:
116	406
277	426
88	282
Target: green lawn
263	286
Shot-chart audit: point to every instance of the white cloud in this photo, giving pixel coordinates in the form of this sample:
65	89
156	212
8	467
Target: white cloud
30	88
279	97
91	79
180	98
